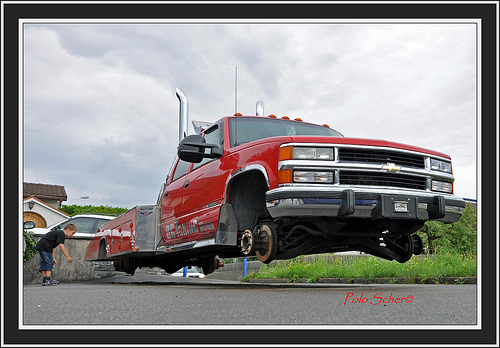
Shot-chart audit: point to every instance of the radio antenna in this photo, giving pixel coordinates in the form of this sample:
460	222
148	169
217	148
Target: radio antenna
235	89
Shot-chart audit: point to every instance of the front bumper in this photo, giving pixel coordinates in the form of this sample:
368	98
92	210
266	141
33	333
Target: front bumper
299	201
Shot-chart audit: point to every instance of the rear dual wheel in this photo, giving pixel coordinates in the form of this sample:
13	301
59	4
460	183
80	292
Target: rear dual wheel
127	265
210	265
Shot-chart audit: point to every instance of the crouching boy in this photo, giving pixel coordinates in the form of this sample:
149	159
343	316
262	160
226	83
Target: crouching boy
46	247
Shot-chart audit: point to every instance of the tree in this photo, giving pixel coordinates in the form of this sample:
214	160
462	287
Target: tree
463	233
459	237
431	232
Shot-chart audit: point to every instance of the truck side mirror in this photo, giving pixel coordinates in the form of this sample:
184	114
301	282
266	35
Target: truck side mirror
192	149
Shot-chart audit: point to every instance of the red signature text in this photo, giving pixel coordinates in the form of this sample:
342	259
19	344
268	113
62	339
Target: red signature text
377	299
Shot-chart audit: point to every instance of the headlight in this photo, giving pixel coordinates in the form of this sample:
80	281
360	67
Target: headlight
288	176
442	166
442	186
310	176
306	153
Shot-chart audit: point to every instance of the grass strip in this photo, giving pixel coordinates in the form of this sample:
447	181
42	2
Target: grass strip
368	267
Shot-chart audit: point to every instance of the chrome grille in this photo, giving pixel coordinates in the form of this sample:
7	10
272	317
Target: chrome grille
367	178
381	156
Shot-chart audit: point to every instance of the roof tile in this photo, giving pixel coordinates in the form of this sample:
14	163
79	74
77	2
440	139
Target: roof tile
44	191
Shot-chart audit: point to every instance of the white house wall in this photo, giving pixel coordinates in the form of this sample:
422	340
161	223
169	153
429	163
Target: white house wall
50	216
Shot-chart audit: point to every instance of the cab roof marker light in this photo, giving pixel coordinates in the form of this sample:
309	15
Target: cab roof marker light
272	116
285	117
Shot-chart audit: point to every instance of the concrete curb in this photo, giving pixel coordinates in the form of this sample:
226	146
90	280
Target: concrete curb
417	280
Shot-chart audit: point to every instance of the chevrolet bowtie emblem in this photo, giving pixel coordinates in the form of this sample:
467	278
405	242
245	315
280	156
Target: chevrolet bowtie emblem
391	167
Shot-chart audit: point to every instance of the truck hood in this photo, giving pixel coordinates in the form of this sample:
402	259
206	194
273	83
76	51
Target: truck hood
365	142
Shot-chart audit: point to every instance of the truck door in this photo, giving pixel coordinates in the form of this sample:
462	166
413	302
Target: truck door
204	190
171	201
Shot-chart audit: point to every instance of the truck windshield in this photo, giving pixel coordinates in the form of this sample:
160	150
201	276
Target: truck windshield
245	129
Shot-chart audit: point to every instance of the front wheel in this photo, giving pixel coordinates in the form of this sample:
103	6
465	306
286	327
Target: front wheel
266	243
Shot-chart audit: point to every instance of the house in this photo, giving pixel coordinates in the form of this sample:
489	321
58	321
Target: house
41	203
52	195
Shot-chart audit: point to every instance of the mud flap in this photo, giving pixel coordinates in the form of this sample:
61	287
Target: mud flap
227	228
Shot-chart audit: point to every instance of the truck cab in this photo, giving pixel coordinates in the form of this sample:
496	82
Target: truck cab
297	188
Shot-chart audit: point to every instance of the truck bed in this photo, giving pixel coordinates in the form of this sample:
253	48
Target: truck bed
135	231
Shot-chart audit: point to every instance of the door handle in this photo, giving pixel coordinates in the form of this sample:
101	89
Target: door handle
166	194
186	184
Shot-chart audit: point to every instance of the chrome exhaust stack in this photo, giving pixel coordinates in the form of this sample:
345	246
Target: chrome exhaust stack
183	113
259	108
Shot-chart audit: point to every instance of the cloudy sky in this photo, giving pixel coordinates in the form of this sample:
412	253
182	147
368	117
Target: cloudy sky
101	115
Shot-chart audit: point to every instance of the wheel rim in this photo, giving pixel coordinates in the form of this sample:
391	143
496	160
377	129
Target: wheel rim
269	242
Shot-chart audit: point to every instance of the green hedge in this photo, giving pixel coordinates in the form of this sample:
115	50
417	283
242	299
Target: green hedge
458	238
73	210
30	246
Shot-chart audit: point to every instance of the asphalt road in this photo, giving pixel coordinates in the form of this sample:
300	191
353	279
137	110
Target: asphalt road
161	300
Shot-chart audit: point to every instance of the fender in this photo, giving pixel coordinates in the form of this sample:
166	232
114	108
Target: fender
242	170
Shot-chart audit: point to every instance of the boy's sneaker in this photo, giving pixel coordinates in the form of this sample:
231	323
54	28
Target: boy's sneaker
50	281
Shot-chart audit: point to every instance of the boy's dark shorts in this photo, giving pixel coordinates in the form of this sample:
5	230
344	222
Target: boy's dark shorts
46	261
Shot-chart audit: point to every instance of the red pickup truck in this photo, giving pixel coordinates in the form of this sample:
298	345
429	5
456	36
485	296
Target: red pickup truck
275	188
